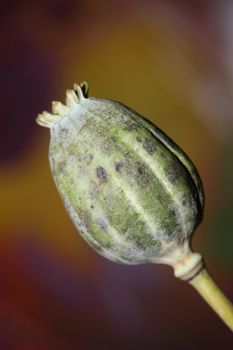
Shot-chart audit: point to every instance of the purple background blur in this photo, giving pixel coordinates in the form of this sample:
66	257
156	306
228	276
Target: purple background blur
173	62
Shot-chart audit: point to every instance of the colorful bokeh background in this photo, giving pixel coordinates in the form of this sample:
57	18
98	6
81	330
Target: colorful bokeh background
173	62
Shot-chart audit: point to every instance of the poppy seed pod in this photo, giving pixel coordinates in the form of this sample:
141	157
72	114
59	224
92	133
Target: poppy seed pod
132	193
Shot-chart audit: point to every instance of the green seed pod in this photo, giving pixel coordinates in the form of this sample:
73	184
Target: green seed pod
131	192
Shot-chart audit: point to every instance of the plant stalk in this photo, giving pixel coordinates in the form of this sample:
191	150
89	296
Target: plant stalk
208	289
189	266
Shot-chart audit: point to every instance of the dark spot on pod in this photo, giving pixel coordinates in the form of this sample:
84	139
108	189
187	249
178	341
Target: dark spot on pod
144	177
173	212
118	166
61	167
102	224
101	173
64	131
89	158
184	202
92	206
141	170
148	144
172	175
131	125
144	241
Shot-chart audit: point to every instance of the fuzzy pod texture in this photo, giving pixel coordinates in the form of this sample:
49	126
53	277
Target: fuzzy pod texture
132	193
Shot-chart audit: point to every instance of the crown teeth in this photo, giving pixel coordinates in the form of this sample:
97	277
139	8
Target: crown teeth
46	119
40	120
81	90
71	99
59	108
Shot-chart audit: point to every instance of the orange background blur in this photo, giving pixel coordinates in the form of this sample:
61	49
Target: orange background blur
173	62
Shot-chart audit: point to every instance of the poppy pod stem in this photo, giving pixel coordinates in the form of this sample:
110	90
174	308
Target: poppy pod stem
211	293
189	266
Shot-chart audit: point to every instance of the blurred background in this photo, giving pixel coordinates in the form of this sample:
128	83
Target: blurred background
173	62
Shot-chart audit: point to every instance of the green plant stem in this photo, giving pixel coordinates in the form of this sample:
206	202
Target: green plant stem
208	289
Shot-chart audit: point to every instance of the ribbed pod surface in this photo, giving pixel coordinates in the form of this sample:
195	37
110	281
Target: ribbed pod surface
129	189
